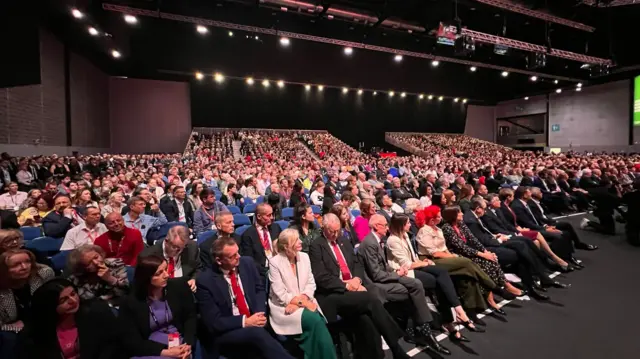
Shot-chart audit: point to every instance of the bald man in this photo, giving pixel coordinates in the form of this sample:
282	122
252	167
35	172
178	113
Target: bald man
120	241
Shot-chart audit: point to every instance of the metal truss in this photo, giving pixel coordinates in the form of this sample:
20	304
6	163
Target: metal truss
525	46
517	8
603	3
325	40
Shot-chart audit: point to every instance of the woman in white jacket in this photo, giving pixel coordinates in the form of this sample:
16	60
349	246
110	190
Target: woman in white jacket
293	307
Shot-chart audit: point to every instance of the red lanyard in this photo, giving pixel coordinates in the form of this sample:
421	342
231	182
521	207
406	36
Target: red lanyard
205	210
119	246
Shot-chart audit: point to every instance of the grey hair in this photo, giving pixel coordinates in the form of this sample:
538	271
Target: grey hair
75	257
178	231
411	204
328	219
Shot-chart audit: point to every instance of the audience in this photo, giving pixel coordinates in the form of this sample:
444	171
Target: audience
86	232
258	241
304	221
225	226
179	209
203	218
138	220
120	241
59	221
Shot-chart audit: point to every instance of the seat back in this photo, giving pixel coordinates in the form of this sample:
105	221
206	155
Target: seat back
47	245
249	208
283	224
287	212
241	229
234	209
241	220
30	233
206	234
316	209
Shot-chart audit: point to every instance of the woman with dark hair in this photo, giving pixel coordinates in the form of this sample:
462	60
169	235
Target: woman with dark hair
64	327
345	223
464	197
304	222
232	198
83	199
33	215
158	312
297	195
448	198
329	199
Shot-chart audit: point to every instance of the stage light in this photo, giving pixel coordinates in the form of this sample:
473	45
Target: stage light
116	54
307	87
578	89
505	74
265	83
360	92
348	51
130	19
404	94
456	99
202	29
218	77
249	81
398	58
420	97
280	84
256	38
345	90
93	31
284	41
555	82
473	69
391	93
526	98
534	78
320	88
430	97
464	100
375	93
199	76
77	13
558	90
435	63
579	84
230	33
440	98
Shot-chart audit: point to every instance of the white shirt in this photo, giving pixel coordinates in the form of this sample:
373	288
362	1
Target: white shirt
177	264
234	307
181	216
267	252
24	177
80	235
12	201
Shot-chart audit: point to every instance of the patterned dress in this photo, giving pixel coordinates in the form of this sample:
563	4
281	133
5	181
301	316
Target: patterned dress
469	248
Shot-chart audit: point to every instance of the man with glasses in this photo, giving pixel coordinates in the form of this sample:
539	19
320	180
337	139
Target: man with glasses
257	241
181	253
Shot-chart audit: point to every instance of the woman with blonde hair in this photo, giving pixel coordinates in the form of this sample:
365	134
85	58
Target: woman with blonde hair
294	310
114	204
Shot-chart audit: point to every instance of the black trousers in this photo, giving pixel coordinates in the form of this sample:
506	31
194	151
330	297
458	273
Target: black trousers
250	342
438	280
559	243
568	231
607	224
517	254
632	230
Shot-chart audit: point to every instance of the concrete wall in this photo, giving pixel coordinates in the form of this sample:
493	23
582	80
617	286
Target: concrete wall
481	122
521	107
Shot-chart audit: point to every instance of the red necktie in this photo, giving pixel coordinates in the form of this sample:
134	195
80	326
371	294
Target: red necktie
513	214
243	308
171	267
344	268
265	239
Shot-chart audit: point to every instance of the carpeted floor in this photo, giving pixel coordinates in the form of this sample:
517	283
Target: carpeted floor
596	318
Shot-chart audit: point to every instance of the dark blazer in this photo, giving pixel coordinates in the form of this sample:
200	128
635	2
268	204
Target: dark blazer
56	225
507	216
542	219
8	220
384	214
399	195
524	217
496	223
251	246
189	258
170	209
492	184
134	319
205	250
476	228
99	335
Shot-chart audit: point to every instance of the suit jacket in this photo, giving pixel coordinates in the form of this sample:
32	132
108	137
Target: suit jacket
8	309
251	246
170	209
496	223
475	226
8	219
539	215
189	258
492	184
374	260
399	195
205	250
134	319
56	225
524	217
399	254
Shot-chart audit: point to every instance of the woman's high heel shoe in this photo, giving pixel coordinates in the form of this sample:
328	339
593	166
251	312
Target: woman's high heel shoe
468	324
454	338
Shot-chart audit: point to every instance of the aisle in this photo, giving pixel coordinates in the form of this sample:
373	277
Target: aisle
596	318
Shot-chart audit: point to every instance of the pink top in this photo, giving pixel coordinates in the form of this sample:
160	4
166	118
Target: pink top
361	227
68	339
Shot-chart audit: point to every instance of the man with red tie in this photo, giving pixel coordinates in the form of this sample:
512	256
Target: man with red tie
257	241
232	302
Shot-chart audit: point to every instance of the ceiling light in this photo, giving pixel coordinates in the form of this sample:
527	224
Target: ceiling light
430	97
526	98
284	41
307	87
281	84
578	89
505	74
558	90
456	99
348	51
116	54
391	93
199	76
420	97
440	98
256	38
202	29
265	83
435	63
398	58
579	84
534	78
218	77
230	33
404	94
473	69
320	88
77	13
130	19
555	82
93	31
375	93
464	100
360	92
249	81
345	90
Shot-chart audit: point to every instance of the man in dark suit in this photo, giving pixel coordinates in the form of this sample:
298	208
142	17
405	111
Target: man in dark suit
181	253
385	203
340	291
61	219
587	180
232	303
399	194
606	204
397	286
257	241
226	228
178	209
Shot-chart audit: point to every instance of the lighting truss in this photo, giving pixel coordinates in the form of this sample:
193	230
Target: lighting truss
521	45
325	40
602	3
517	8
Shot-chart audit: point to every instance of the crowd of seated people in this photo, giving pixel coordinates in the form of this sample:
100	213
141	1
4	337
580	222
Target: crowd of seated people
369	240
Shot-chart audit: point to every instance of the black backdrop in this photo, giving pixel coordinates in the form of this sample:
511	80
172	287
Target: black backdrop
350	117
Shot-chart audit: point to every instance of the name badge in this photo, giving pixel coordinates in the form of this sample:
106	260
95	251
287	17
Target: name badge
174	340
16	208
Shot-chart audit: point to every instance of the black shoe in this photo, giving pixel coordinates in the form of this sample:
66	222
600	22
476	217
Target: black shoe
454	338
586	247
477	320
398	353
473	328
576	263
566	269
538	286
505	294
523	292
537	295
424	337
499	311
556	284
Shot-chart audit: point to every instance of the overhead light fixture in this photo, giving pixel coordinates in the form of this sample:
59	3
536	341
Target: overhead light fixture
526	98
430	97
320	88
375	93
218	77
505	74
280	84
420	97
534	78
199	76
473	69
404	94
130	19
435	63
93	31
249	81
284	41
558	90
360	92
202	29
116	54
555	82
456	99
77	13
348	51
307	87
256	38
579	84
345	90
440	98
265	83
464	100
230	33
578	89
391	93
398	58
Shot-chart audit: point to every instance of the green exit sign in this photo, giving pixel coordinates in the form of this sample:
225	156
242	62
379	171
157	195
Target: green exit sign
555	128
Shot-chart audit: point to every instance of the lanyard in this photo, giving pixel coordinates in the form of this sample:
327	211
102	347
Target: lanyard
155	319
91	236
205	210
119	246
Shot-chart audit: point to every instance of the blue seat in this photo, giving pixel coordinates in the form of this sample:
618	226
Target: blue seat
241	220
31	232
47	245
218	196
131	271
260	200
59	261
248	200
283	224
306	191
206	234
287	212
234	209
355	212
316	209
241	229
249	208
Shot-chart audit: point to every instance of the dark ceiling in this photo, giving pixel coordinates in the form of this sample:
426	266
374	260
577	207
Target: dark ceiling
167	49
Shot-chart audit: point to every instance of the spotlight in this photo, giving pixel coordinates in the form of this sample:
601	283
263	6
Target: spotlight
77	13
404	94
464	100
558	90
130	19
456	99
464	45
440	98
265	83
256	38
348	51
284	41
536	60
473	69
526	98
93	31
578	89
249	81
420	97
360	92
435	63
398	58
320	88
505	74
199	76
202	29
375	93
218	77
307	87
534	78
430	97
230	33
280	84
391	93
579	84
555	82
345	90
116	54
